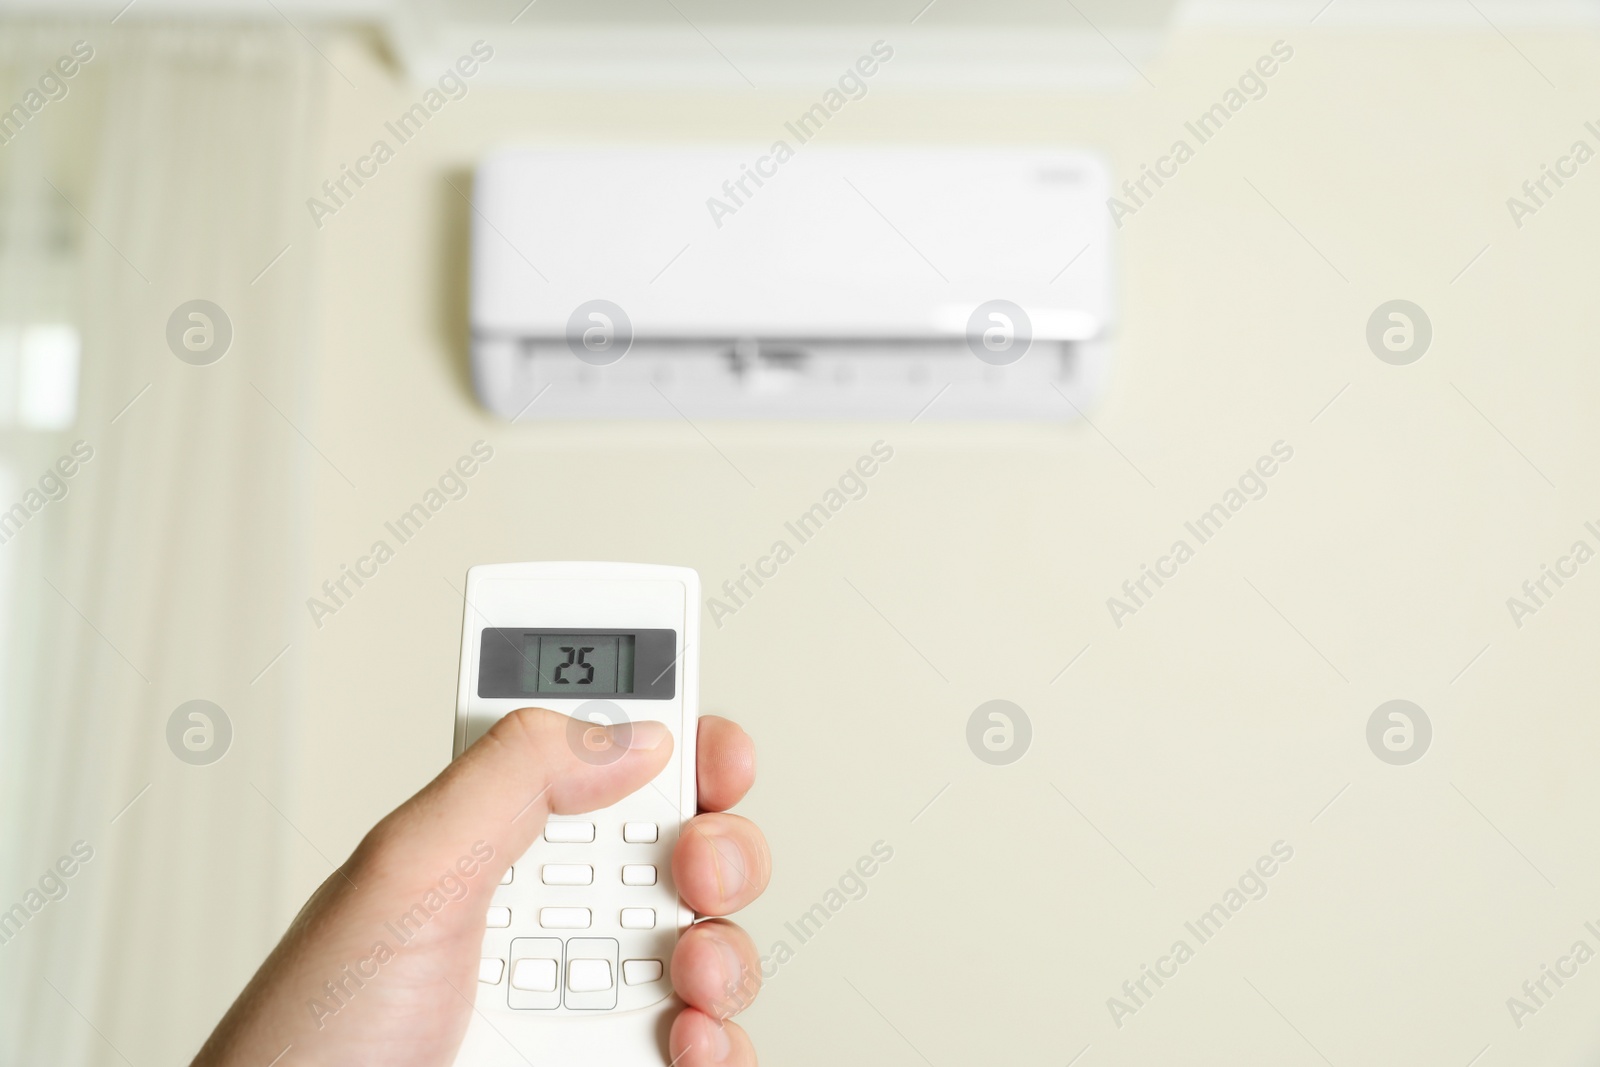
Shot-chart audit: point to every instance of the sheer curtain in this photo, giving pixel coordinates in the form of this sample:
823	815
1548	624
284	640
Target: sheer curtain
173	169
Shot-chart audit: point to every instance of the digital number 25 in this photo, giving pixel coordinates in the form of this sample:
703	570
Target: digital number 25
575	658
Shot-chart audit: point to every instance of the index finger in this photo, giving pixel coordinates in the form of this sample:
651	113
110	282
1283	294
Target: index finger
726	758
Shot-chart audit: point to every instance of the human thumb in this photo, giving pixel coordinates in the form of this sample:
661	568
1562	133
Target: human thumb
530	763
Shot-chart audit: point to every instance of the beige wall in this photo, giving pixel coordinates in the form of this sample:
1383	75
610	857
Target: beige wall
1195	736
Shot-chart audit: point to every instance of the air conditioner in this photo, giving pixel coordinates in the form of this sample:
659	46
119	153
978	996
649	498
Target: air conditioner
790	281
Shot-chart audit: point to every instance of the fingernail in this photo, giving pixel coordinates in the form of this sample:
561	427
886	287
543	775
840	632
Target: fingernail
732	867
721	1043
646	734
732	966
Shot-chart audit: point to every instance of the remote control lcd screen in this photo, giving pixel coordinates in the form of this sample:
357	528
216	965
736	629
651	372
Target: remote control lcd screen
637	664
567	664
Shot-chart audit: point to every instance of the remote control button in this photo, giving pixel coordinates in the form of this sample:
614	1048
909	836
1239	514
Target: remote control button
638	874
588	976
505	879
640	833
499	917
567	874
564	918
536	976
569	833
641	972
490	970
638	918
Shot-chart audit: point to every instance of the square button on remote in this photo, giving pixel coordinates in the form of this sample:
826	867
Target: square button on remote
535	965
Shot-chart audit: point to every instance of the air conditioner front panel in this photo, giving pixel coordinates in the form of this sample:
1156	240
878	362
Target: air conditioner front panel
849	256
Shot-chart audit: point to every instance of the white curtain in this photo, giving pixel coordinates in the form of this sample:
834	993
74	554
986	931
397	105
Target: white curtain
174	169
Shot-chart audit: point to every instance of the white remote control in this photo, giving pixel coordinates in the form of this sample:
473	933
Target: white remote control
576	958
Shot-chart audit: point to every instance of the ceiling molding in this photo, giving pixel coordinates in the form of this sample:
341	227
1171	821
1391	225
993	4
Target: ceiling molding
812	59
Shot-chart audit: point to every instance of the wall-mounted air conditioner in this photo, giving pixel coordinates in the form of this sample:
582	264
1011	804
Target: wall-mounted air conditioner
789	280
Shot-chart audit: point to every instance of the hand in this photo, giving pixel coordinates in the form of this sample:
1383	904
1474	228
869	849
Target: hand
414	1011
